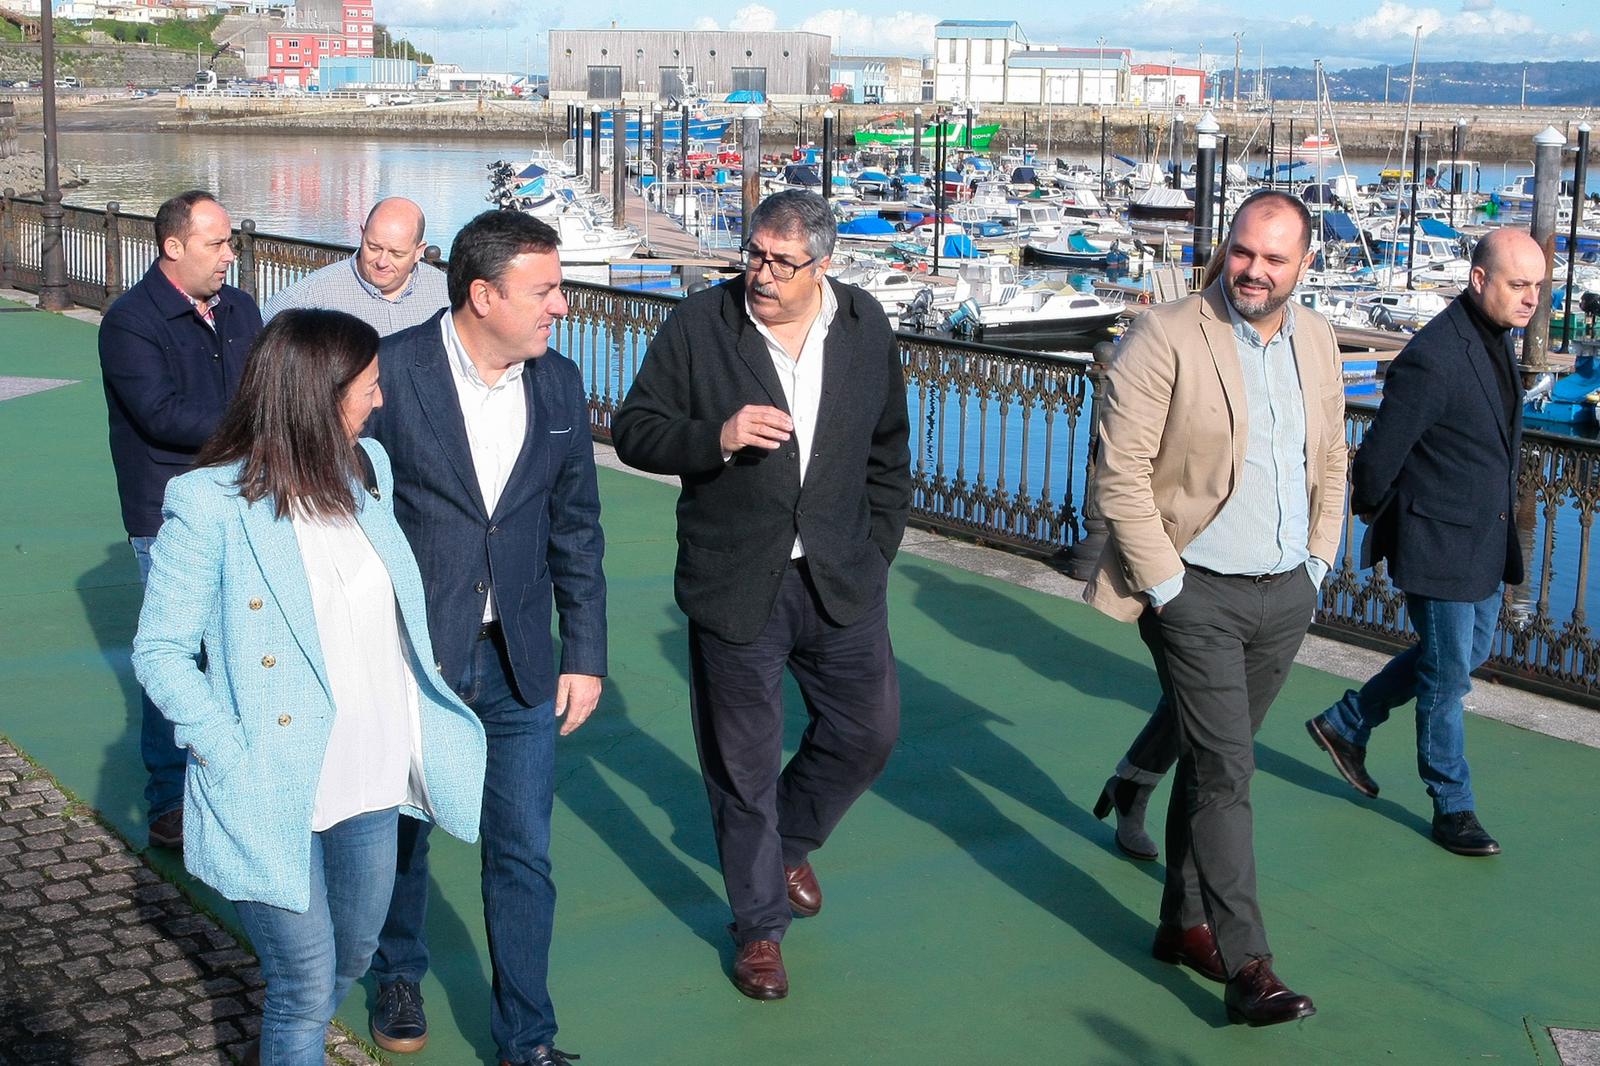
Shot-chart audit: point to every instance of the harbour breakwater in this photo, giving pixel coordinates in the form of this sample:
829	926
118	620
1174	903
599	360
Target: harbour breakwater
1363	129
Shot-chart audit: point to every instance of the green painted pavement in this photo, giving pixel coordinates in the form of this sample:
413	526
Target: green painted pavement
975	910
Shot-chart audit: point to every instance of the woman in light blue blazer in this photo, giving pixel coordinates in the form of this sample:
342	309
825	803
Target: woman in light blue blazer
283	633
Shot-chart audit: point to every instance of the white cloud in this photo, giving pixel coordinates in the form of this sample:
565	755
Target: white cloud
904	33
754	18
705	24
449	14
1369	34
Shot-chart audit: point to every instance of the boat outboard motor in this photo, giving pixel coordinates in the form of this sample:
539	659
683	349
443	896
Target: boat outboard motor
918	311
966	320
1538	394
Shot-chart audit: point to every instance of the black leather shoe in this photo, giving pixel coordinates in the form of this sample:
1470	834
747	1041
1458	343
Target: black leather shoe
1461	833
1130	799
397	1022
1195	947
1349	760
1257	997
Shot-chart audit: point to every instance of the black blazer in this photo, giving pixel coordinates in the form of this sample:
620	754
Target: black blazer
737	520
544	536
1438	467
168	377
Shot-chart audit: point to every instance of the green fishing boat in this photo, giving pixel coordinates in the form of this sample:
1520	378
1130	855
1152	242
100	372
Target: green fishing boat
893	131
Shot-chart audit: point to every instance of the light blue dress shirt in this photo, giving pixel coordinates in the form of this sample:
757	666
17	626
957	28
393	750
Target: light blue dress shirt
1265	526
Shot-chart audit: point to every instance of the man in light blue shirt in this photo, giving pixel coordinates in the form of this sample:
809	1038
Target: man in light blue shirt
1221	479
385	284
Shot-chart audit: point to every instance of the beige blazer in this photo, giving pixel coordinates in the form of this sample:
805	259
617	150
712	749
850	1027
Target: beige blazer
1173	432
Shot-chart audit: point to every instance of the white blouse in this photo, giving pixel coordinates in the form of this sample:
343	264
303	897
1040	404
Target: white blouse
374	755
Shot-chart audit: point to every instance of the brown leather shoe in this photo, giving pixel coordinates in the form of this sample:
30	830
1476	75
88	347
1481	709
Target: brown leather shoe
167	830
1195	947
805	895
758	970
1257	997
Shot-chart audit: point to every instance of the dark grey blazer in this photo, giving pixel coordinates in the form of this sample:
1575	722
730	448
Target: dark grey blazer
1438	468
543	538
737	521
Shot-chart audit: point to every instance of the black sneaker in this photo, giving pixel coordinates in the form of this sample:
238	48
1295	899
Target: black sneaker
398	1024
550	1055
1461	833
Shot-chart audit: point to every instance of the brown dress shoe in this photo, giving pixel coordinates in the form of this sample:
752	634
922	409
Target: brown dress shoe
758	970
1195	947
805	895
167	830
1257	997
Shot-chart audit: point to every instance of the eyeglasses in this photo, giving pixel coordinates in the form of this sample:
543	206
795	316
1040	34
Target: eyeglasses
782	269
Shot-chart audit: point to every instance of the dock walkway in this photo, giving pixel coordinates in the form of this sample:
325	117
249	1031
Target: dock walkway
976	910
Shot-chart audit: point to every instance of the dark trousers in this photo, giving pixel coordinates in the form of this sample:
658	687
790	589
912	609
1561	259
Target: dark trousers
519	897
1222	651
766	815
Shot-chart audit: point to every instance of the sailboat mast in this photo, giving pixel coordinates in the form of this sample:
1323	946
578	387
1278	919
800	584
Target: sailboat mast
1411	92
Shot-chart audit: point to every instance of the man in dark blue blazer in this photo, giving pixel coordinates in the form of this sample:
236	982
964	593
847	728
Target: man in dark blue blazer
1436	479
172	349
488	431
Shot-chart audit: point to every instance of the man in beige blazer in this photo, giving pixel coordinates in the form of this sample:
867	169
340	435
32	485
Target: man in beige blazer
1221	478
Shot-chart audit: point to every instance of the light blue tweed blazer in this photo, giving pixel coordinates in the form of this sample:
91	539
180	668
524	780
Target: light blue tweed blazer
228	576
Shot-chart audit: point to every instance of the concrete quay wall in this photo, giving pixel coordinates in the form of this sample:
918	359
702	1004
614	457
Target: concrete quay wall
1363	129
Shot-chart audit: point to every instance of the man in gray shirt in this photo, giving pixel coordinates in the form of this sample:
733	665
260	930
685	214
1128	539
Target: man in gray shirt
385	284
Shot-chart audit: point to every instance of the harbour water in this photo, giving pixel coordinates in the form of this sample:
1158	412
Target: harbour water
321	188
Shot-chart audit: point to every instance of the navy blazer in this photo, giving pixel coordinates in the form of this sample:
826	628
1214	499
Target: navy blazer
543	538
1437	470
168	377
737	520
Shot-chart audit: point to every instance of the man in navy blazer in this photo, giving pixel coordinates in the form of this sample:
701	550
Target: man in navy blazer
1436	479
488	431
172	349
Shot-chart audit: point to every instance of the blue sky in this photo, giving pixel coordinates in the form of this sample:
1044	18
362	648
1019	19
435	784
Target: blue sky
498	33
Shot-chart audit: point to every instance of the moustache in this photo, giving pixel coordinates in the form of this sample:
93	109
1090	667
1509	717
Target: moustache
769	291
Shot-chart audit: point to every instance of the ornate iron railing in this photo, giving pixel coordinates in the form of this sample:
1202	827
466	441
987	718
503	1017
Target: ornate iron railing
1000	443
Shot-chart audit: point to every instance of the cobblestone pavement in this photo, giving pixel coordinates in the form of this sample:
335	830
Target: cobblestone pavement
102	962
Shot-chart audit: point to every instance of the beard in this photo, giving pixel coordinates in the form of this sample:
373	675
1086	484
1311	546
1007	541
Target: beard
1257	308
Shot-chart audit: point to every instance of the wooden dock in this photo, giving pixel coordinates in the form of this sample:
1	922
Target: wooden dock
668	242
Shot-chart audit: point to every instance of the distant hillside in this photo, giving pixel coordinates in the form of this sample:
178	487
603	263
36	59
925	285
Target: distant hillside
1549	84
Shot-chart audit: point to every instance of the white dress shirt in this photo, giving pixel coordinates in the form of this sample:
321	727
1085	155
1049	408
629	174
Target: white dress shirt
801	378
374	756
497	422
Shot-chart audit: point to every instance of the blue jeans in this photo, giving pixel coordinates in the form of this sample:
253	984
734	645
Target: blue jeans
519	898
310	960
1453	640
164	761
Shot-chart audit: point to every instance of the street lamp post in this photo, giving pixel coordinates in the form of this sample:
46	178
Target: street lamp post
1580	178
827	154
1099	71
1548	146
53	258
1458	134
1206	131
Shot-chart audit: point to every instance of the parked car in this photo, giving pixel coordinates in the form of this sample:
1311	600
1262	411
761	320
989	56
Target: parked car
396	99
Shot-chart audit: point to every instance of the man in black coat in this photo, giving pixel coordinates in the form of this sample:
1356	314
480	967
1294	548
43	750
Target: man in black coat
172	349
778	399
1436	479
